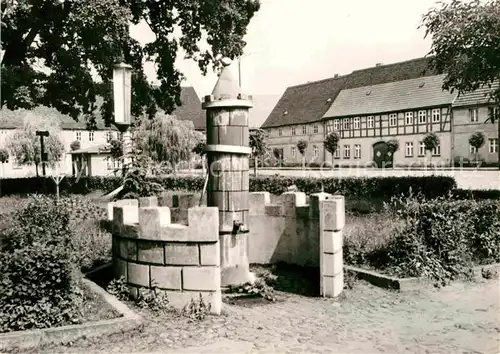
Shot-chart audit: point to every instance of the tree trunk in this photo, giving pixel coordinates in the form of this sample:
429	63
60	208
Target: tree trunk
36	170
255	162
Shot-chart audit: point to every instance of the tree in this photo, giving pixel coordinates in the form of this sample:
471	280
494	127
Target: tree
331	144
24	145
166	139
199	149
78	42
75	145
431	141
302	146
466	47
278	155
392	147
477	141
258	145
4	157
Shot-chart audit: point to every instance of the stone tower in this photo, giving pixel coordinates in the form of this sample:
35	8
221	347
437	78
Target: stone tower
227	112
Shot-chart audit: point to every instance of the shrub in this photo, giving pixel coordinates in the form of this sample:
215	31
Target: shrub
37	269
197	310
442	238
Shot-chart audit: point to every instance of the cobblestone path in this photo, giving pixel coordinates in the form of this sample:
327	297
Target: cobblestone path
461	318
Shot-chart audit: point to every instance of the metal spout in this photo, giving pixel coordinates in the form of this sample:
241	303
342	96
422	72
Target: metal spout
238	227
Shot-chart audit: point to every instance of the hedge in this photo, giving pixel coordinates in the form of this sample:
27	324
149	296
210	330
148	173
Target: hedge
381	187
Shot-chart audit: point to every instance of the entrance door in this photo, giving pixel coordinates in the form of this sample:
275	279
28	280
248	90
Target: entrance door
381	155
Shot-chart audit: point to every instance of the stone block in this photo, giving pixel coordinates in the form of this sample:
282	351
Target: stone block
175	232
223	163
184	201
246	137
218	199
238	117
130	231
333	286
146	202
124	215
133	291
220	117
128	249
257	202
332	241
273	210
201	278
138	274
115	245
333	264
245	181
227	218
180	299
231	135
302	212
150	252
292	200
332	213
237	201
227	181
210	254
151	220
203	224
314	203
182	254
165	200
119	268
168	278
120	203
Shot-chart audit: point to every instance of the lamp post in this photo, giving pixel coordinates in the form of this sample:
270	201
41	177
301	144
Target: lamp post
122	94
43	155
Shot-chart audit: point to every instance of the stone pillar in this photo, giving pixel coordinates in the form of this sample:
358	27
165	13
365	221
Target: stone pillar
228	185
331	223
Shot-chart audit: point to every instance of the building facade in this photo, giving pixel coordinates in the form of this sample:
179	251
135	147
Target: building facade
367	108
92	157
471	114
366	118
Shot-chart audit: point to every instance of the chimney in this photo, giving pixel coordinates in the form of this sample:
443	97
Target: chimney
379	64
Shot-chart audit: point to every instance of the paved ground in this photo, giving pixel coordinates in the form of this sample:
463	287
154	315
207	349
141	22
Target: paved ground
462	318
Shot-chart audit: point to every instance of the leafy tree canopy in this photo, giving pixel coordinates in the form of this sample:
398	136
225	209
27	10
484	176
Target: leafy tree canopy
61	53
302	146
477	140
466	44
166	139
431	141
331	142
393	145
75	145
258	142
4	156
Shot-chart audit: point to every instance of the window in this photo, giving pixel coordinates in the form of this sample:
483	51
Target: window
304	130
293	130
315	151
293	151
79	136
109	163
436	115
357	151
337	154
493	112
421	149
436	151
329	127
315	129
356	123
371	122
474	115
422	117
493	143
409	149
347	151
280	132
409	118
472	149
393	119
336	125
109	136
346	123
91	136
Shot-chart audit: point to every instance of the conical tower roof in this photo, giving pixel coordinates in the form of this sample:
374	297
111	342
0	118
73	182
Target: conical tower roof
227	86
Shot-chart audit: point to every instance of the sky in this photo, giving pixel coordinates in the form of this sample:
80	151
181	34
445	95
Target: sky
290	42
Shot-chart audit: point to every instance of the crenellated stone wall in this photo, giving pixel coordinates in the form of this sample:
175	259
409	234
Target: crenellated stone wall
287	231
149	250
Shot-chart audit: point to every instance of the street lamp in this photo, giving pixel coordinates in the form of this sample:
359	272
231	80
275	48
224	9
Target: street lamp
122	94
43	154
